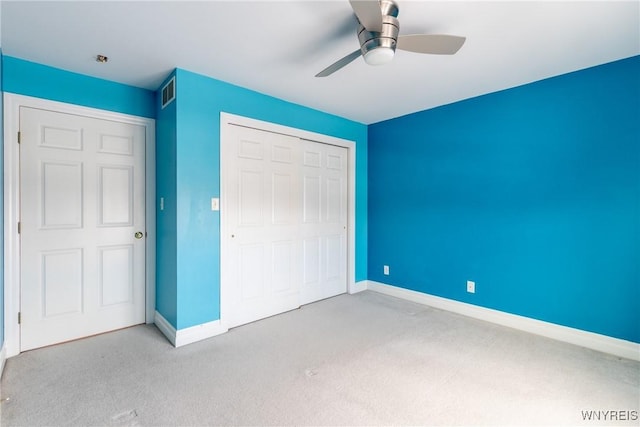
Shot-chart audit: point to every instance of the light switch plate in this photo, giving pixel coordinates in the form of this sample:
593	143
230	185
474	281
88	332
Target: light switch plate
215	204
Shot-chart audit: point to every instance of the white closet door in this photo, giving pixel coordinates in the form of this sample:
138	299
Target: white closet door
262	194
285	223
82	203
324	221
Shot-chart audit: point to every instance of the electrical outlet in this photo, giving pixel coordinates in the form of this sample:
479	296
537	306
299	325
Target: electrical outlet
471	287
385	270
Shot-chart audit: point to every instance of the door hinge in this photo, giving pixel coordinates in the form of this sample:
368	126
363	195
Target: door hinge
18	137
19	228
19	318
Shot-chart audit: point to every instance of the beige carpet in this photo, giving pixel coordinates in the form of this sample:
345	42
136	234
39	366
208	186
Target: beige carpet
366	359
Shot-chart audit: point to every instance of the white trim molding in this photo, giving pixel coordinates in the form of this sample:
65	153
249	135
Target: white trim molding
598	342
190	335
165	327
12	104
360	286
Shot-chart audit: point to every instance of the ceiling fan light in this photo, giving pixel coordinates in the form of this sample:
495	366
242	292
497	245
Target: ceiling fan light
379	56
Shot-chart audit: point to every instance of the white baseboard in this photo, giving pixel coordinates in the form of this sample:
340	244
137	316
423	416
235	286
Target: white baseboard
360	286
603	343
3	358
199	333
165	327
188	335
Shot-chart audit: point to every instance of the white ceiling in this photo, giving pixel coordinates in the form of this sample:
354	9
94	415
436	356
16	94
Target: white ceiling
276	47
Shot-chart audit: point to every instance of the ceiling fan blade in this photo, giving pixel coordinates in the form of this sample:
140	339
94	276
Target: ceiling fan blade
339	64
368	13
437	44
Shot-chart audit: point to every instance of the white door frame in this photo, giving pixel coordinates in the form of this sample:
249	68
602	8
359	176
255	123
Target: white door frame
227	120
12	104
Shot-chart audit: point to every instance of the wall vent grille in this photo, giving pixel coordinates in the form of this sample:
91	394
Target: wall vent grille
169	92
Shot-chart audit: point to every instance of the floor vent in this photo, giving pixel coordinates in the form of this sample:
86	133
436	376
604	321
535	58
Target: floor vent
169	92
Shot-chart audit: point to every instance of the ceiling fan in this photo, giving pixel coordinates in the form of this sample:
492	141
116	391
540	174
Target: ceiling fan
378	29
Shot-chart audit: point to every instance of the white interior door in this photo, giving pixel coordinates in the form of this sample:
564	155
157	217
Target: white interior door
286	241
262	205
82	201
324	221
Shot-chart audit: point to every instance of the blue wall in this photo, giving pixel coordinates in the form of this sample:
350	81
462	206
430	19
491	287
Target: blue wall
166	226
532	192
28	78
199	101
1	208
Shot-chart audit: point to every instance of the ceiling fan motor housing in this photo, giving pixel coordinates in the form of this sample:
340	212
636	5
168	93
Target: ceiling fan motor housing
388	37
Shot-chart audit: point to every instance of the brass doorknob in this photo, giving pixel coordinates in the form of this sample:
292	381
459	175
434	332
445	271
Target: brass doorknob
138	235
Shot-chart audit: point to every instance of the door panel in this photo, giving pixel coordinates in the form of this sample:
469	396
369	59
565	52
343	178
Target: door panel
282	201
250	198
312	201
115	195
283	271
251	268
311	268
324	227
61	204
81	202
116	281
262	191
61	282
